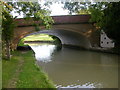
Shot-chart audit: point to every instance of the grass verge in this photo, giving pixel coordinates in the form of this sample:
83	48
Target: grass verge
21	72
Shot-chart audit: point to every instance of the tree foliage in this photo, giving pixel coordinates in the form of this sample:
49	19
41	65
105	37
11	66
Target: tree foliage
7	29
105	15
97	13
8	26
30	10
35	10
111	21
77	7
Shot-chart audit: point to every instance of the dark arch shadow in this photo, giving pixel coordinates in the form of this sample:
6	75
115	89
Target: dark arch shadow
67	37
56	42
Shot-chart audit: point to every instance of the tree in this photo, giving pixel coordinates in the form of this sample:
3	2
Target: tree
77	7
35	11
29	9
111	21
105	15
7	30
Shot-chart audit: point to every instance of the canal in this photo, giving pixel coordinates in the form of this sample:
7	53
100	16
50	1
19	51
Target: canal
77	68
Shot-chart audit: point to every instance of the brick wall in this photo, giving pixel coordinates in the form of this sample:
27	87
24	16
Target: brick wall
76	23
65	19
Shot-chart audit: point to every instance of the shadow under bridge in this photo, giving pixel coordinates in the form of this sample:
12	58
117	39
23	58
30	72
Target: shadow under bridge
68	37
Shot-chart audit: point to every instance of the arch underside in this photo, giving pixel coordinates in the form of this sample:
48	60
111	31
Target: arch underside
67	37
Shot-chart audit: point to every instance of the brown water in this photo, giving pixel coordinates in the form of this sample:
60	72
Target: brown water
78	68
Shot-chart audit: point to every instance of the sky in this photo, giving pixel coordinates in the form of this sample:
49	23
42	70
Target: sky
56	9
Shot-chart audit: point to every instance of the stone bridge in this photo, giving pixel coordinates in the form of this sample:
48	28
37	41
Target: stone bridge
71	30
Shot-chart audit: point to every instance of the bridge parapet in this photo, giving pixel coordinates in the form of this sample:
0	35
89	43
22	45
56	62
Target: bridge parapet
64	19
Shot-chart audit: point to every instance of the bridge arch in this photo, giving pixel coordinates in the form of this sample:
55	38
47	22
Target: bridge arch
76	23
67	37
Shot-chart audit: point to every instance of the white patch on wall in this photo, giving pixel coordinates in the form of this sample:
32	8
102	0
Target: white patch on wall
105	41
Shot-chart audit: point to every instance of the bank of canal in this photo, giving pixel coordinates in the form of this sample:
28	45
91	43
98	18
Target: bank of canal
21	72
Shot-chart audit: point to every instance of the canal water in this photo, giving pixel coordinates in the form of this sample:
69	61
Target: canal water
74	68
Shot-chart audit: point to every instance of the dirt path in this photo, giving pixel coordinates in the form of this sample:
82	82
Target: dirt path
13	81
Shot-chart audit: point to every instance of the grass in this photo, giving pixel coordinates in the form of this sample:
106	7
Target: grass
23	73
38	37
0	73
8	69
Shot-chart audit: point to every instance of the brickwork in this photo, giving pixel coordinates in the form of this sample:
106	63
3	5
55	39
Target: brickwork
66	19
77	23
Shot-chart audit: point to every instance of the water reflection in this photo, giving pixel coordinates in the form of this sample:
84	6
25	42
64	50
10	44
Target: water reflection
86	85
43	52
78	69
